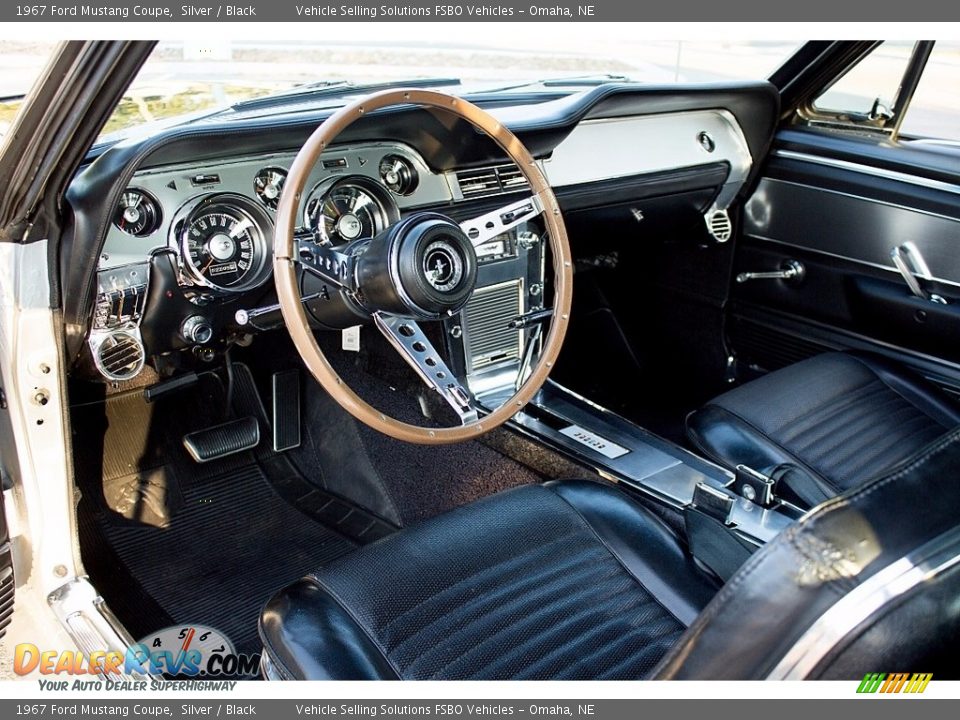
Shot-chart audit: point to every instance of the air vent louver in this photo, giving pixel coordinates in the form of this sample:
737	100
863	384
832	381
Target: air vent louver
719	225
6	592
120	356
483	182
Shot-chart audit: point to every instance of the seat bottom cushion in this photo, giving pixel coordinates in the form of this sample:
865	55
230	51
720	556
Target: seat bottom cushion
836	420
571	580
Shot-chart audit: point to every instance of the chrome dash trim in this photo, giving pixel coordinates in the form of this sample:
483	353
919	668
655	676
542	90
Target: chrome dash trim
866	601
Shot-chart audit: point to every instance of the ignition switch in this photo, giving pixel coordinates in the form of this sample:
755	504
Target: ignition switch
197	329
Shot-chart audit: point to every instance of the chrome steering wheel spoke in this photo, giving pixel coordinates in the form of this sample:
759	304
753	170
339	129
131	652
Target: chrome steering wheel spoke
409	340
330	265
485	227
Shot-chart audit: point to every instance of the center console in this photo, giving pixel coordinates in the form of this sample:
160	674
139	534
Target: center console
495	346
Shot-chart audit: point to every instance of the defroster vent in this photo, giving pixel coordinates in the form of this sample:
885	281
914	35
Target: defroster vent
483	182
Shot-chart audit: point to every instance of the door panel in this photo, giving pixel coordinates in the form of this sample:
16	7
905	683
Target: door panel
839	206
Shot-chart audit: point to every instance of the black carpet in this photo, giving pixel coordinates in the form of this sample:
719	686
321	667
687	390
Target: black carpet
169	541
232	544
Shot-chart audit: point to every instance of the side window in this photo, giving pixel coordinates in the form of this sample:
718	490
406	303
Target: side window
934	110
869	89
910	91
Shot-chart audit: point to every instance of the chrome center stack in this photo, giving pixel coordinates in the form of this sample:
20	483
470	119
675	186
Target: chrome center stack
491	351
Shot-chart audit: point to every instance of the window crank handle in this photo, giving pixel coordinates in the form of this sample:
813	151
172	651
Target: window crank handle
790	271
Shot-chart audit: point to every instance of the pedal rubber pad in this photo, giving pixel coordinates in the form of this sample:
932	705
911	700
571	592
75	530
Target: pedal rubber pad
220	441
286	410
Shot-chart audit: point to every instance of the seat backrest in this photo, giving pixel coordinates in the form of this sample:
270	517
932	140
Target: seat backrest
866	582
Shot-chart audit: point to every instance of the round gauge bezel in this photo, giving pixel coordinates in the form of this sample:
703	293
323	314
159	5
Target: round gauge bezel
271	204
388	212
234	204
157	210
410	185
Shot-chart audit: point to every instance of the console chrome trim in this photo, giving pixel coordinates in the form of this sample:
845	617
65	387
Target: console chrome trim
653	466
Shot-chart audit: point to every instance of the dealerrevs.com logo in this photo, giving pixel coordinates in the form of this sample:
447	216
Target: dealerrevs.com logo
912	683
177	651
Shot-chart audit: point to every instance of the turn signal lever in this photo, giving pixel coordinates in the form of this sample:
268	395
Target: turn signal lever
247	317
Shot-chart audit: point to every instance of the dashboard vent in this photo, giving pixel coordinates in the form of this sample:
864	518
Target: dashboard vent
719	225
120	356
6	590
483	182
489	340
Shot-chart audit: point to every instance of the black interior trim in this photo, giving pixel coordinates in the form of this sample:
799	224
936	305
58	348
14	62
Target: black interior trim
936	162
640	187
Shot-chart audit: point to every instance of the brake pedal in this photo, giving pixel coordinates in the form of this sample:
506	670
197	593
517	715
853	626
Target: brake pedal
220	441
286	410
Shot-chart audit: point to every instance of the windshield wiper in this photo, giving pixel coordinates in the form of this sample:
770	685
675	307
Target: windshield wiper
335	88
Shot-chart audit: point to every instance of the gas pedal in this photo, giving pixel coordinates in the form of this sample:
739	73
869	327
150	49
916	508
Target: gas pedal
286	410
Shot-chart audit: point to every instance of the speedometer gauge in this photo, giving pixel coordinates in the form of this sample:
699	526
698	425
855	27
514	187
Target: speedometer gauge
349	209
224	243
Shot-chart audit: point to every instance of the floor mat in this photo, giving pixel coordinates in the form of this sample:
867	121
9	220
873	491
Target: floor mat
169	541
230	546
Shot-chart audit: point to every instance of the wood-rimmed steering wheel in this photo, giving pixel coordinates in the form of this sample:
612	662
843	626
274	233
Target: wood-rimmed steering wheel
421	268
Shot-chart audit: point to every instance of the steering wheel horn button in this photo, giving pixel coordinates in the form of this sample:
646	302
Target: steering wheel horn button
422	267
442	266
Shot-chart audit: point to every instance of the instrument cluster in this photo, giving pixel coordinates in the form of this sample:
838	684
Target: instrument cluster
196	237
220	220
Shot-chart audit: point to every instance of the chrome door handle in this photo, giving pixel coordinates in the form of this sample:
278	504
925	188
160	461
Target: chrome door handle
790	271
913	268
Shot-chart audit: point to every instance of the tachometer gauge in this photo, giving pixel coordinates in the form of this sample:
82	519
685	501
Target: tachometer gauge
350	209
224	243
137	214
398	174
267	185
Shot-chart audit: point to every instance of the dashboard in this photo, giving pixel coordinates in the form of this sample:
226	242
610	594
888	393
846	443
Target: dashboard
184	250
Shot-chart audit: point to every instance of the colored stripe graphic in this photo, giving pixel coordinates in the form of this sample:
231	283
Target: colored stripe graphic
914	683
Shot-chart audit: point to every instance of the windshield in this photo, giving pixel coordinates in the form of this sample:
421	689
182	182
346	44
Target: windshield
183	79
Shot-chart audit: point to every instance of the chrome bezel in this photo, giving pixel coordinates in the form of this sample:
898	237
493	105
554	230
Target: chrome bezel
261	234
271	205
157	210
387	210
